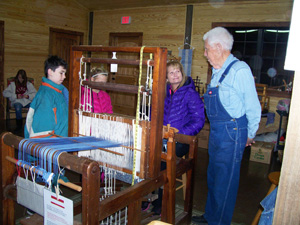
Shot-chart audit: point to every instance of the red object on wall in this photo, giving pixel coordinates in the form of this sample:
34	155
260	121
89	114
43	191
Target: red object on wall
126	20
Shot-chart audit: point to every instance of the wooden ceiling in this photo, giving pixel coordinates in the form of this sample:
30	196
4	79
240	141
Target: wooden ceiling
119	4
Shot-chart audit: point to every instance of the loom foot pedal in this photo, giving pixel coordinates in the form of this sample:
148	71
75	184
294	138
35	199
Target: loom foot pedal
150	197
34	219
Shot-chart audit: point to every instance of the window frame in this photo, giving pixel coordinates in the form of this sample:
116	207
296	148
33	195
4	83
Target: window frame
252	24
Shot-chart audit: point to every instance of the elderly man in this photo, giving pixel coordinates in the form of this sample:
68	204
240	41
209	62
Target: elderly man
234	112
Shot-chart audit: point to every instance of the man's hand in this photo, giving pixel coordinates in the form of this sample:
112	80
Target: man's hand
250	141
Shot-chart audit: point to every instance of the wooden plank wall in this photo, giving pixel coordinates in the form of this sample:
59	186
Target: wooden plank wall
27	27
161	26
165	26
26	35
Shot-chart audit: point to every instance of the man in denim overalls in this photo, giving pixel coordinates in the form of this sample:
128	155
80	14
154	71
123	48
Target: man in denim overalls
234	112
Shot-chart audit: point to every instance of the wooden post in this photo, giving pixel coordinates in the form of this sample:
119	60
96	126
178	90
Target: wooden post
158	93
74	88
187	166
136	192
90	193
168	198
288	199
189	192
134	212
7	174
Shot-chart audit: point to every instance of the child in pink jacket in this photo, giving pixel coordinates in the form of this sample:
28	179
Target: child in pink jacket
99	100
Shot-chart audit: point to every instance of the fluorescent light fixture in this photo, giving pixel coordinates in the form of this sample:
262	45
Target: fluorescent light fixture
278	31
245	31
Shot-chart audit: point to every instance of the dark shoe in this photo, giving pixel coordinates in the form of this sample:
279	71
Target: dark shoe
203	223
156	210
199	220
19	125
145	206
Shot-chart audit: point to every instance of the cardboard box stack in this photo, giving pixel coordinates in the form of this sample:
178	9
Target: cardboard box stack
262	152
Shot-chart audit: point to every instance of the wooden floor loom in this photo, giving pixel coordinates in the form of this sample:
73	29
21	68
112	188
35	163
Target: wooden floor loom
150	178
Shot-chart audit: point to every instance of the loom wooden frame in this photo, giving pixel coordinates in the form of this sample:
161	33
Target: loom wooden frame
92	209
158	92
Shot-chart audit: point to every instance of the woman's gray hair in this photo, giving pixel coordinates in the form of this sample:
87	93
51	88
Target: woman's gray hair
219	35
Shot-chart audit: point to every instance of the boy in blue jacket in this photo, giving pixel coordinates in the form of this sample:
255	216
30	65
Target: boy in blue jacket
48	112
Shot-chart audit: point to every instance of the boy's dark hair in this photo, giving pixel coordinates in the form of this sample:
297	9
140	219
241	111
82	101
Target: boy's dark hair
53	62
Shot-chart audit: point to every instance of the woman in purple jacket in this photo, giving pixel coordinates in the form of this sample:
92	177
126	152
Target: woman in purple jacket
183	110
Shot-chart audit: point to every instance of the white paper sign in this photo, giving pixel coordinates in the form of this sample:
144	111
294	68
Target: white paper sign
57	211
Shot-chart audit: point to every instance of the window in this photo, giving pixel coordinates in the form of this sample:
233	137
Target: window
264	50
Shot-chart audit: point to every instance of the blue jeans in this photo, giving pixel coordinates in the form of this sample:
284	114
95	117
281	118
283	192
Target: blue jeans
18	107
181	150
268	203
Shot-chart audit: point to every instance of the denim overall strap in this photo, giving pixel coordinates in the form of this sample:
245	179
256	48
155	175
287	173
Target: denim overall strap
214	108
226	71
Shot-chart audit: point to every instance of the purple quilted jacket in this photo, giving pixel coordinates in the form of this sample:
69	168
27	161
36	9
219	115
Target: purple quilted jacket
184	109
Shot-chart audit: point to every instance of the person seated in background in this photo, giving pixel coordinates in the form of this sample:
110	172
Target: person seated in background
183	110
20	93
99	101
48	112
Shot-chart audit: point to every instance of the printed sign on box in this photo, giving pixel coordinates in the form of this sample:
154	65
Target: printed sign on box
58	211
261	152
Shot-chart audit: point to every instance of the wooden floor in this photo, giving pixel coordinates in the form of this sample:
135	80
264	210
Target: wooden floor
254	183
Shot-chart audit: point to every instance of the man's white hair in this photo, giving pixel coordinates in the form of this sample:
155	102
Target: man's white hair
219	35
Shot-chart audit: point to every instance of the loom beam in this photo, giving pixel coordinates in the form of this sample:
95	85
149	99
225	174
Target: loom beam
90	48
60	181
69	161
117	61
112	87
